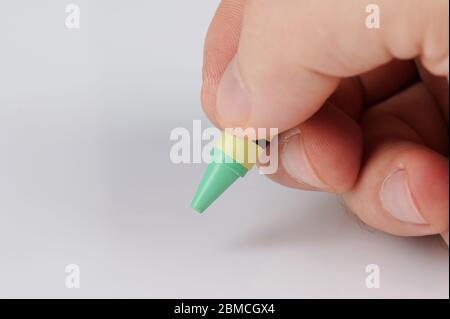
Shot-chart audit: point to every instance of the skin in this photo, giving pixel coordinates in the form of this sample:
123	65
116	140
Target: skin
364	103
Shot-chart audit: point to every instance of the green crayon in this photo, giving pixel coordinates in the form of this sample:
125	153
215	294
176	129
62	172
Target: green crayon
232	157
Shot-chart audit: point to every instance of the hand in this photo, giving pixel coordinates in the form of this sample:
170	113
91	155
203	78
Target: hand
364	112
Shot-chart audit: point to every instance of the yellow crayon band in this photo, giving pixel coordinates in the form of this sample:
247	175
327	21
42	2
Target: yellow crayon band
242	151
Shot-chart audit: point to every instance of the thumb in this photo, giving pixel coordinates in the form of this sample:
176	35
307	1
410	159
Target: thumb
292	53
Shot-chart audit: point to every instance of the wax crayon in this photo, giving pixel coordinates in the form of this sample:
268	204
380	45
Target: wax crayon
232	157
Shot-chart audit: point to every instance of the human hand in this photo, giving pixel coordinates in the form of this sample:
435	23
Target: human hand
363	112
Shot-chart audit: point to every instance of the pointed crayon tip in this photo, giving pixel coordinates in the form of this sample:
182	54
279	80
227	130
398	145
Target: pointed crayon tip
218	177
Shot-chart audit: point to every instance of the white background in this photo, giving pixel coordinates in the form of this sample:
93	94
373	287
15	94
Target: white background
85	175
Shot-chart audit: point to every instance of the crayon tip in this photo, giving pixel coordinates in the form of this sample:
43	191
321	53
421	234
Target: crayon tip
218	177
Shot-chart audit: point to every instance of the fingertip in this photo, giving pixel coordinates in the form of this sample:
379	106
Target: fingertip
403	190
233	98
220	47
208	98
429	183
324	153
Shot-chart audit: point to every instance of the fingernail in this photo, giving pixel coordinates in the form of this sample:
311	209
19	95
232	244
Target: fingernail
397	199
233	99
296	162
